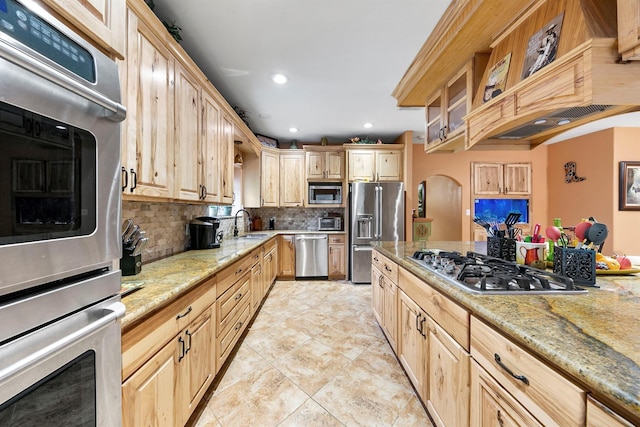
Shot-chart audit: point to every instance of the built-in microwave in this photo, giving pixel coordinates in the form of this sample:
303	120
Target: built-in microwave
325	193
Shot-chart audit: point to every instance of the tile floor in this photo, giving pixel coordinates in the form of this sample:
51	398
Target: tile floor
314	356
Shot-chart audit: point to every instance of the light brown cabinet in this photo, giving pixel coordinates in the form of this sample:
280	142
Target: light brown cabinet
148	138
599	415
548	396
385	277
209	149
292	182
169	361
270	179
270	265
445	109
629	29
327	164
501	179
286	257
103	21
257	279
412	343
380	162
226	159
337	257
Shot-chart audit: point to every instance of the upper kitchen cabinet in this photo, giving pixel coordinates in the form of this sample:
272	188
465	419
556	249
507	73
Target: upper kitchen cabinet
261	179
324	163
501	178
377	162
209	153
292	183
147	139
445	109
629	29
226	159
103	21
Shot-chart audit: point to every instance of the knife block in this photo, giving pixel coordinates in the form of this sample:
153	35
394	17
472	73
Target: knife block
500	247
129	264
579	264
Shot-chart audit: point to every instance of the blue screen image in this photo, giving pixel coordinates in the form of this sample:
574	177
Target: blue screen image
496	210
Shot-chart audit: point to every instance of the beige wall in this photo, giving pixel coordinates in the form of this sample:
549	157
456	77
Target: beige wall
458	167
597	156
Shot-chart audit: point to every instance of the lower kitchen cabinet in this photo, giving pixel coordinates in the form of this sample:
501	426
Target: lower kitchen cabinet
286	257
257	281
412	343
270	265
165	389
599	415
492	406
337	257
548	397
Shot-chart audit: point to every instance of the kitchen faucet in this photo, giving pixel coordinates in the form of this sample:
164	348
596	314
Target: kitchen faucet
235	223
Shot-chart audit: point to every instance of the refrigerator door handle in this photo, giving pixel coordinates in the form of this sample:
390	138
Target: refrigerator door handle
362	248
379	215
376	216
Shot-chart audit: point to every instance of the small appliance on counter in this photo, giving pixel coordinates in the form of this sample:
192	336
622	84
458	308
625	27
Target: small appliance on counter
134	241
330	223
272	223
203	232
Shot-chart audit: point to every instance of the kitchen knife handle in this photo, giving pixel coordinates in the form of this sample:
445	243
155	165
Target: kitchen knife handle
522	378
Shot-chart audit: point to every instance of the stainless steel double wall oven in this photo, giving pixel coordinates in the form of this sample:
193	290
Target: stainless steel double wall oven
60	117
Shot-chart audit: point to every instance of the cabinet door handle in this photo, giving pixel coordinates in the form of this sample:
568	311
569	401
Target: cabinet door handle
522	378
188	334
134	177
424	319
180	316
126	178
418	323
500	420
182	347
381	281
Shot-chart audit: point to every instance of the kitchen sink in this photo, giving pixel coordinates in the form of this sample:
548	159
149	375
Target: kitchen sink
255	236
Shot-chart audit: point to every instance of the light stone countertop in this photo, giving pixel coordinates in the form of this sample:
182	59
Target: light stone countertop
593	337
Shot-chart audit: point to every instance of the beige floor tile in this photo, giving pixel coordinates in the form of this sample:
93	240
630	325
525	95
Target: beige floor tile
310	414
311	365
207	419
245	362
351	345
360	397
276	343
265	398
413	415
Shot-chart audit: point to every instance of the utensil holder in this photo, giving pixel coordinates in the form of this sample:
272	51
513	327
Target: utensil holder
578	264
130	265
504	248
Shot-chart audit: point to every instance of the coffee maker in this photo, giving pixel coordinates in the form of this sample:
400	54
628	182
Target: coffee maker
203	232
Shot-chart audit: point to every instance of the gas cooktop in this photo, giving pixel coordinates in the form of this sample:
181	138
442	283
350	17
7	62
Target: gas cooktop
479	273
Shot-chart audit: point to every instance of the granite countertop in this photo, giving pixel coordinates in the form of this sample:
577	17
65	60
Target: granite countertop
593	337
161	281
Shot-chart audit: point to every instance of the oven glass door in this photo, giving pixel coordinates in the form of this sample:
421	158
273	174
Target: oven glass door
48	190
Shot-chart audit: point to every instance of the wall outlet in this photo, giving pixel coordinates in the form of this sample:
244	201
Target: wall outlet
468	212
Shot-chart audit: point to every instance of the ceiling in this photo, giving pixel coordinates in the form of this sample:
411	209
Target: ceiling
343	59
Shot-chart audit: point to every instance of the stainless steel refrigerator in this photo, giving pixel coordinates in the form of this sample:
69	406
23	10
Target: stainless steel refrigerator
376	213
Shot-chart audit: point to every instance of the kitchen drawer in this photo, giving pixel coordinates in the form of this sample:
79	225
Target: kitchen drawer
232	298
231	334
450	316
385	265
550	397
142	340
336	239
255	256
230	275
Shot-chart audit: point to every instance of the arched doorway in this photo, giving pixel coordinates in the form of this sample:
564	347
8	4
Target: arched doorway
443	203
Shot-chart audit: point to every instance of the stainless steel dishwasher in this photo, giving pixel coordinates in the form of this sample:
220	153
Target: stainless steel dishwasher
312	255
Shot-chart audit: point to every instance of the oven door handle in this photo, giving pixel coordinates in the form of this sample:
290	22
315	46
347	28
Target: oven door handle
118	111
109	314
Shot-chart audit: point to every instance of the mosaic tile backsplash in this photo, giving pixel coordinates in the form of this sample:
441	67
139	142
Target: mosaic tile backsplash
165	224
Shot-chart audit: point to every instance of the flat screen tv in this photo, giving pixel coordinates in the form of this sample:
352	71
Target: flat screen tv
497	209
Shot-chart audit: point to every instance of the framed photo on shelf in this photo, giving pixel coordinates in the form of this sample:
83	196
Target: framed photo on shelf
542	48
497	81
268	142
422	187
629	199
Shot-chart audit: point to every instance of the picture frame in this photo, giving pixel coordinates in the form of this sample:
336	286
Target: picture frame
629	185
497	81
267	141
542	47
422	188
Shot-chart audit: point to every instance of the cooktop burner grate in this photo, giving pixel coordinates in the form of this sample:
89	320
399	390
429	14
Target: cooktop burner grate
484	274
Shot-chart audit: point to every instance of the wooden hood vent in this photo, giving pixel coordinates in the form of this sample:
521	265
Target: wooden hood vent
585	81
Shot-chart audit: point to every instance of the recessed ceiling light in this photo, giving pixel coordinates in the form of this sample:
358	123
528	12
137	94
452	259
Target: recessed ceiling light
293	130
368	125
279	78
564	122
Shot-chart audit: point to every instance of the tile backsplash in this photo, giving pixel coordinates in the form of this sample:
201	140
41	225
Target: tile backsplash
165	224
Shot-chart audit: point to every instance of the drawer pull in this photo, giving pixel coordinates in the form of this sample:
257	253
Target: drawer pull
522	378
375	259
238	326
238	296
238	271
387	268
180	316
